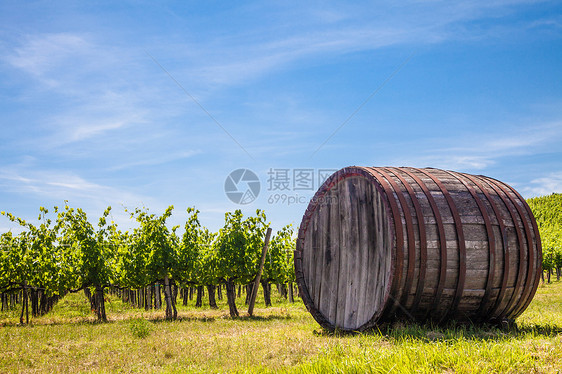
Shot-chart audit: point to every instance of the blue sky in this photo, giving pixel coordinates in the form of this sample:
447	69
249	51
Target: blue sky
135	103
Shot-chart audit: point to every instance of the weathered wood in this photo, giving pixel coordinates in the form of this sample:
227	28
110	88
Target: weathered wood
321	268
364	199
333	255
350	316
317	265
344	254
382	243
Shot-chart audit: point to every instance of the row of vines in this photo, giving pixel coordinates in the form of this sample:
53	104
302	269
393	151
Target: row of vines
548	213
64	252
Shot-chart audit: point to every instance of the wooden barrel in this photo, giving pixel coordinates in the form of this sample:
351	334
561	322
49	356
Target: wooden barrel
378	244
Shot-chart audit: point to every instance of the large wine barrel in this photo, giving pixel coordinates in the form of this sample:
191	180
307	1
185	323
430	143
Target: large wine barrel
378	244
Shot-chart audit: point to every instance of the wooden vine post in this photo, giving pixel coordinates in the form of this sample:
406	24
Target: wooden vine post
258	277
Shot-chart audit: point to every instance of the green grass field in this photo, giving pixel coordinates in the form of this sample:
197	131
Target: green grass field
283	338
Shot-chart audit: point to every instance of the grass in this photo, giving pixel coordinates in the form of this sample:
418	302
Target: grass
283	338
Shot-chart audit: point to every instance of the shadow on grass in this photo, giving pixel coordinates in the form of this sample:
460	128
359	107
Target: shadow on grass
272	317
542	330
90	320
430	332
162	319
244	318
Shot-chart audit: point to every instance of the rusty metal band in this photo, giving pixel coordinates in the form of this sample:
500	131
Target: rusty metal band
460	245
410	233
442	240
422	239
507	310
532	283
539	255
499	216
530	256
491	240
397	281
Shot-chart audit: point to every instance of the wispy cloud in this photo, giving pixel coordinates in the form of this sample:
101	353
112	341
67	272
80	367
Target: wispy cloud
476	152
87	79
252	52
240	63
339	30
43	53
157	160
546	185
113	98
55	186
58	185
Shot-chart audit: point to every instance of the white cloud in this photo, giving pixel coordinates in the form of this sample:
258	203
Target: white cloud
333	29
55	187
476	152
456	162
71	130
97	92
108	88
63	185
73	126
545	185
157	160
42	53
338	30
240	63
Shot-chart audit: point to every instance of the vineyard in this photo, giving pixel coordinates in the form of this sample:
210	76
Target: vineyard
147	267
548	213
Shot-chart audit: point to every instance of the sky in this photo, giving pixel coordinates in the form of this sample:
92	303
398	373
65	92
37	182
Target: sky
149	104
